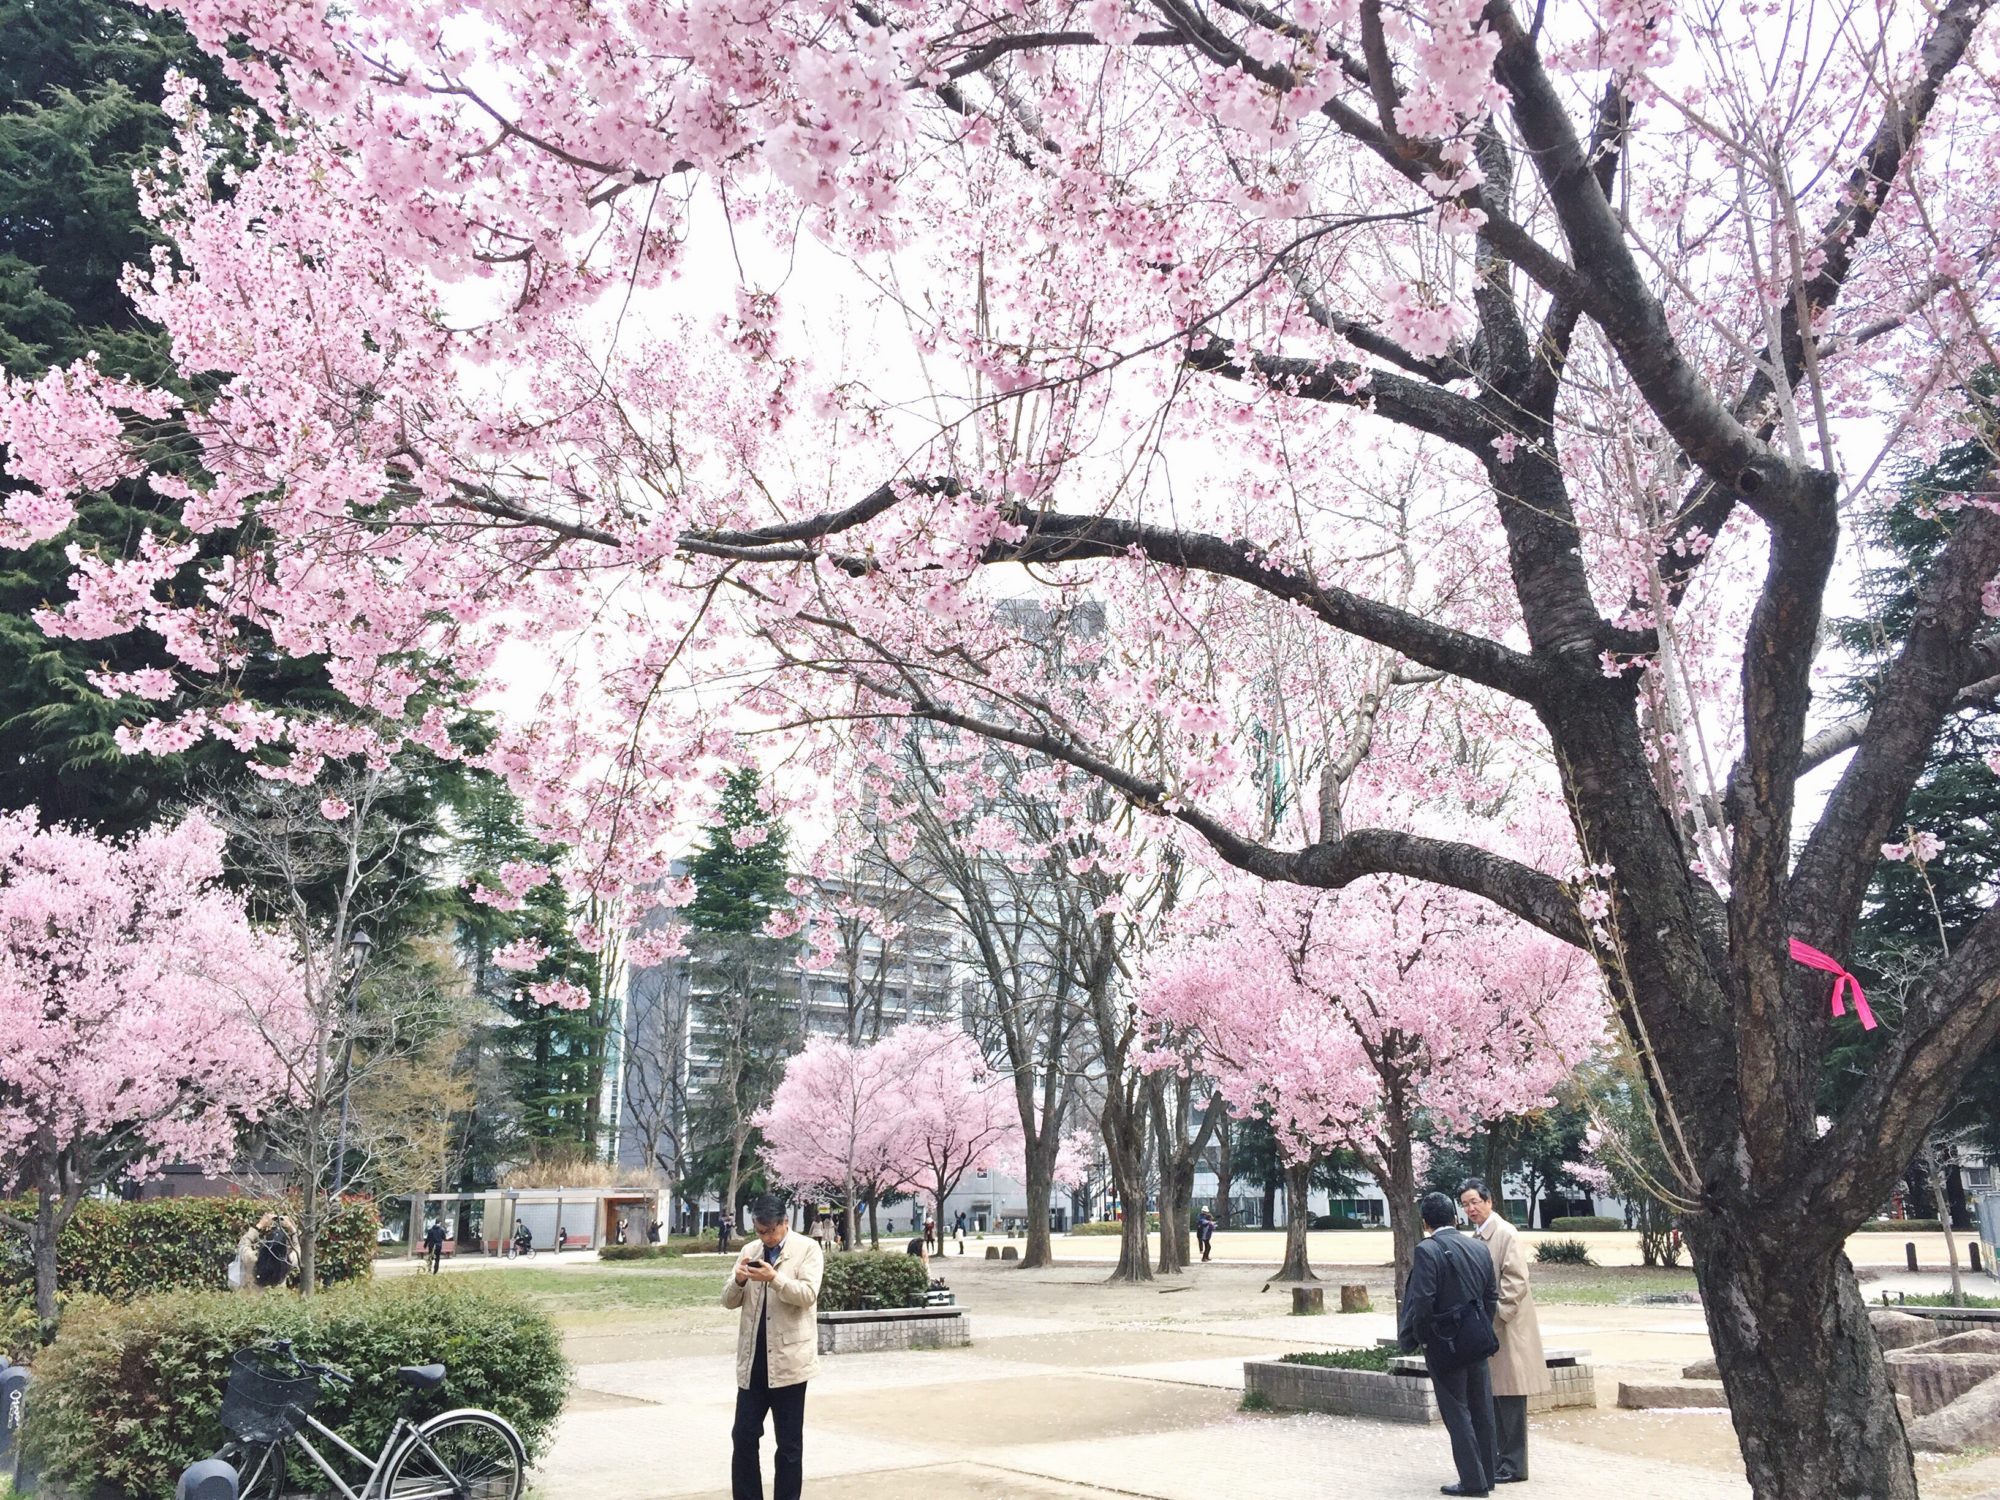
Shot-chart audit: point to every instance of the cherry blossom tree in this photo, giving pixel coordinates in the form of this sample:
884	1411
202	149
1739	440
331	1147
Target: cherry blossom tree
135	1000
957	1114
1351	1016
837	1122
1636	305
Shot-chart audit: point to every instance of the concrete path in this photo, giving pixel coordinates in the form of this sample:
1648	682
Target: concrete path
1075	1389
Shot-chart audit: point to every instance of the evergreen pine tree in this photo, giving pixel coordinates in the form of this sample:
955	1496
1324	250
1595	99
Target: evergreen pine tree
745	986
1913	911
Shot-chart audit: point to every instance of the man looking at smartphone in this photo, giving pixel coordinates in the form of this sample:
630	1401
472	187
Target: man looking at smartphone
776	1284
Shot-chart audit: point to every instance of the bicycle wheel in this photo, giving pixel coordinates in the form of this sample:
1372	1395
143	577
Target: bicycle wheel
260	1469
462	1455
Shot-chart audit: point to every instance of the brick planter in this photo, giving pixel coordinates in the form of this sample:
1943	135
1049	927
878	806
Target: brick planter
893	1328
1402	1395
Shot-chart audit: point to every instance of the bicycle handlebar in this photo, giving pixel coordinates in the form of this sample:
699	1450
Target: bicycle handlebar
283	1348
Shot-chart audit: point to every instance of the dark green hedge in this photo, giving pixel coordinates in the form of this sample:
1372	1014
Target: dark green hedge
1901	1226
1111	1226
1345	1221
126	1250
1343	1359
1585	1223
891	1280
127	1396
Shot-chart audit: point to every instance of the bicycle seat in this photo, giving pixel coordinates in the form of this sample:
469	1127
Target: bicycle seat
422	1377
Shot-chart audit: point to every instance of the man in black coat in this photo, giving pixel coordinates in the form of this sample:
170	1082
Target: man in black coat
1449	1269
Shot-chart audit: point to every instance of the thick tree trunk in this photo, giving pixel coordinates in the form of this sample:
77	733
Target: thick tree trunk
874	1225
1808	1391
1222	1173
1399	1181
48	1231
1167	1150
1270	1206
1038	1251
1298	1223
1123	1121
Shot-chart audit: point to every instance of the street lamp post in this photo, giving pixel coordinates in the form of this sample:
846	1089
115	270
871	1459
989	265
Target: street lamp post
358	945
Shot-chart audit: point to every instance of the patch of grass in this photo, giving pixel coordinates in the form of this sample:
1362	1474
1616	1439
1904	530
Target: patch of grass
1254	1401
1342	1359
611	1293
1605	1286
1941	1299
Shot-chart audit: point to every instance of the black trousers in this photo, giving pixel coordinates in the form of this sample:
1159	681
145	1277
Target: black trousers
1465	1401
437	1254
1510	1429
787	1406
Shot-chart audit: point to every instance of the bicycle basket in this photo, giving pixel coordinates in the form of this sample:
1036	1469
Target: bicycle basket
266	1399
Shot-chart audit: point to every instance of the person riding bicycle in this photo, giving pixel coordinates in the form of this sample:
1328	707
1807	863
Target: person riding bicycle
524	1240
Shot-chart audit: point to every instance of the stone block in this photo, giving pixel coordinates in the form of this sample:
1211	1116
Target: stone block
1010	1252
1933	1381
1354	1299
1670	1395
893	1328
1701	1369
1972	1421
1307	1300
1894	1330
1977	1341
992	1252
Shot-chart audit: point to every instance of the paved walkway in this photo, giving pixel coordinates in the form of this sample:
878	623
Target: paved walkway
1074	1389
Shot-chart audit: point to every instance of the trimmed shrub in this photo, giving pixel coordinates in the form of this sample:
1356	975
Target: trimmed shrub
1564	1253
885	1280
127	1250
129	1395
1343	1221
1112	1226
1901	1226
1586	1224
665	1250
1343	1359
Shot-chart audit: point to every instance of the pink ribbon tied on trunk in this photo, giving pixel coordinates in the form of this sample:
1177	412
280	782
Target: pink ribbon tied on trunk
1812	958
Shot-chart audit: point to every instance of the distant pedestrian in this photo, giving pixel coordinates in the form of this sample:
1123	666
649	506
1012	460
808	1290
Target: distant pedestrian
1204	1231
958	1233
653	1232
721	1235
1447	1311
1520	1369
624	1228
434	1243
562	1234
775	1282
930	1233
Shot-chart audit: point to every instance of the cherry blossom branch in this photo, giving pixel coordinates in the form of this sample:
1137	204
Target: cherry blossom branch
1708	504
1059	538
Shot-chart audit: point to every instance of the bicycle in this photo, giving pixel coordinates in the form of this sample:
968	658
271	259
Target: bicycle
463	1454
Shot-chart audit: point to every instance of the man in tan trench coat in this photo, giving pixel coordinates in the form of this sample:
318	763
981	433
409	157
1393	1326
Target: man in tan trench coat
1519	1370
776	1283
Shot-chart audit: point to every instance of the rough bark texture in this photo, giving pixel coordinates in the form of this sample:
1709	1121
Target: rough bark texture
1223	1177
1777	1308
1298	1222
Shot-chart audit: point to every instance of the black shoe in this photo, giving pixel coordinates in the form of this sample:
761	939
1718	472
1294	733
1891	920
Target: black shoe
1459	1489
1512	1479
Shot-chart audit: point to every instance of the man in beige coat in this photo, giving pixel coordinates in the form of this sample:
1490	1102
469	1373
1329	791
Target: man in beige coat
776	1283
1519	1370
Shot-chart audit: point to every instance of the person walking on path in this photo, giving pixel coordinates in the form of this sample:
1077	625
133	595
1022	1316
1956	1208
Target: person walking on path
1204	1232
1519	1370
1451	1275
958	1231
775	1283
434	1244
